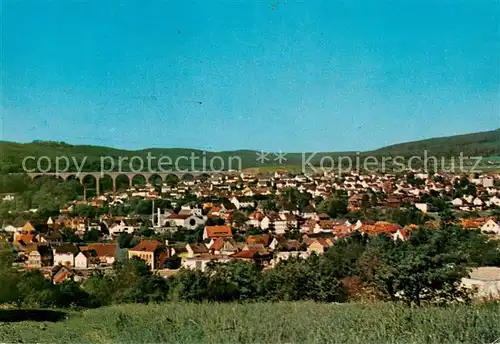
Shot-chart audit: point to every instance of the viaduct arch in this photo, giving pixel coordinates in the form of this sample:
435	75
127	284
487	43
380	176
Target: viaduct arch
130	175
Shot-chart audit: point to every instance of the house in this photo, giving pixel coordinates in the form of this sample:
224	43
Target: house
284	255
491	226
8	198
149	251
308	212
224	246
319	245
214	232
15	227
254	255
65	254
262	239
477	202
494	201
39	256
485	281
242	202
26	235
61	274
105	252
86	259
28	228
188	221
268	222
457	202
284	223
194	250
123	226
401	234
200	262
255	218
54	237
423	207
216	211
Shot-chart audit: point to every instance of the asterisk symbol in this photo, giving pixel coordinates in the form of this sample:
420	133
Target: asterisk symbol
280	157
262	157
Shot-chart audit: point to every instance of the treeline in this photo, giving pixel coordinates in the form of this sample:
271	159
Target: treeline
428	267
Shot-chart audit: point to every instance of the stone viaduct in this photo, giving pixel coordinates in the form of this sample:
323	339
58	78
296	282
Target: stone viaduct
80	176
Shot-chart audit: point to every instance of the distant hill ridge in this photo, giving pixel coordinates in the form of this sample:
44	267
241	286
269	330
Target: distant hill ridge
475	144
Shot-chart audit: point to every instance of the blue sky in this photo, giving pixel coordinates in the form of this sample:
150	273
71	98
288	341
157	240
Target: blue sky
304	76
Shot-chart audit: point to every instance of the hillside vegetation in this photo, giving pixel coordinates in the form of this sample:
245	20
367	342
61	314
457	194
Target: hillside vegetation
12	154
286	322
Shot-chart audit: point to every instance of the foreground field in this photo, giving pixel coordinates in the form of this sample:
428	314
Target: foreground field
297	322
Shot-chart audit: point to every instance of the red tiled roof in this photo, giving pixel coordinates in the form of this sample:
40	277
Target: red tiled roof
60	277
178	216
218	232
147	246
103	250
26	238
256	216
248	254
263	239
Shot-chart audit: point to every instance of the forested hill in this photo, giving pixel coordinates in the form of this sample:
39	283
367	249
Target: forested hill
475	144
485	143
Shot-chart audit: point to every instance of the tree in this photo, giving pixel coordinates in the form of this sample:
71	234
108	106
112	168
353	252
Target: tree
100	289
69	235
239	218
69	293
126	240
428	266
35	290
92	235
8	277
132	281
334	206
146	231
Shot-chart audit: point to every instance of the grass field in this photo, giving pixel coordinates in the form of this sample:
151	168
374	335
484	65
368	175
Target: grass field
298	322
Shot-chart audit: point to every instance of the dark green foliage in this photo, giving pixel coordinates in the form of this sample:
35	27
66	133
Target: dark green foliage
335	206
92	235
126	240
428	267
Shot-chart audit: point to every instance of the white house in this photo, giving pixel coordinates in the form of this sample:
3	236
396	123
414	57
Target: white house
491	226
478	202
12	229
468	198
423	207
65	254
86	259
200	262
8	198
186	221
485	281
457	202
122	227
254	219
242	202
495	201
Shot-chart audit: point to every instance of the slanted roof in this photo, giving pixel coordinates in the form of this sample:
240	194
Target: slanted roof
66	248
218	231
263	239
147	246
198	248
103	250
486	273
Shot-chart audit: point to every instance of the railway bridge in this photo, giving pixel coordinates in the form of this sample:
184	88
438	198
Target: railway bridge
80	176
